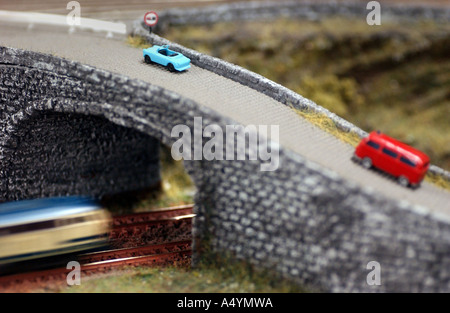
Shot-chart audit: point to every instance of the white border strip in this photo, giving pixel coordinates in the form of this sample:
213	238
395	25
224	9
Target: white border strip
61	20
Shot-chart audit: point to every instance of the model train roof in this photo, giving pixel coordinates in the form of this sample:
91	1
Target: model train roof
18	212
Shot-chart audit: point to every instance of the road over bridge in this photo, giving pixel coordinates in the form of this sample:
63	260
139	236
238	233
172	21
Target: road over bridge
240	103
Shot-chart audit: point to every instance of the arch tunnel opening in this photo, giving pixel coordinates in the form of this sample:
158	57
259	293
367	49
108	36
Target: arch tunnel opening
61	154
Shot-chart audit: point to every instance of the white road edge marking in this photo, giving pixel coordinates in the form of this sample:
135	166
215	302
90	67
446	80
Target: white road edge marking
33	18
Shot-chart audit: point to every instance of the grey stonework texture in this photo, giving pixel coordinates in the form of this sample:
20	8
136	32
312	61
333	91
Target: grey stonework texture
67	154
301	220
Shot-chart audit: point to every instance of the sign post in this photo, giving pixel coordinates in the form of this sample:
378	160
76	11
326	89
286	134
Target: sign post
151	19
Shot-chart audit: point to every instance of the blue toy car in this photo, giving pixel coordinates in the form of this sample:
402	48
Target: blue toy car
174	61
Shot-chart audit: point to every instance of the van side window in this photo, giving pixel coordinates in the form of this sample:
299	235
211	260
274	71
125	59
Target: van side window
390	152
373	144
407	161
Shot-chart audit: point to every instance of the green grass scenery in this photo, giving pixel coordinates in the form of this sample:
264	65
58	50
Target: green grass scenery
230	277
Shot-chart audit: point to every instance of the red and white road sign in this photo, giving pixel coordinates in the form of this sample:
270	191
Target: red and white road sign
151	18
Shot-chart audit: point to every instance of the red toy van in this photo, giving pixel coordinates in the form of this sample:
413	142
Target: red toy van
405	163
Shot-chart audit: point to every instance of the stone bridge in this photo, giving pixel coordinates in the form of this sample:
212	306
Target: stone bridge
91	122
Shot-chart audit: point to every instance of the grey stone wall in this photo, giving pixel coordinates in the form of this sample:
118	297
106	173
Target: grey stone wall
321	231
301	220
68	154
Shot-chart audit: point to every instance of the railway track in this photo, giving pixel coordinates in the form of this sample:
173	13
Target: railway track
177	253
159	214
171	248
137	252
135	224
169	224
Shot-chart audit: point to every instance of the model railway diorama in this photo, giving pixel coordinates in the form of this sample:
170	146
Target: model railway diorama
205	160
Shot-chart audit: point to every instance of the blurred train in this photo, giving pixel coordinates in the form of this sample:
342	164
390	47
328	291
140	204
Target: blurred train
32	229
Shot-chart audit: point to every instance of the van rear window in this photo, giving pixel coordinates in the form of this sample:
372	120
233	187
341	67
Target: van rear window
390	152
373	144
407	161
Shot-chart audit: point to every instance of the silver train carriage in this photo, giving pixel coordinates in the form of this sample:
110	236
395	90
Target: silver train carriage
32	229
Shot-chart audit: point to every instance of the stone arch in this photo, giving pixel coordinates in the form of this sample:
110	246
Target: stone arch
56	85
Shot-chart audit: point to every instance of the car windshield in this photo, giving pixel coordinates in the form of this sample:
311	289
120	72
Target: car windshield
167	52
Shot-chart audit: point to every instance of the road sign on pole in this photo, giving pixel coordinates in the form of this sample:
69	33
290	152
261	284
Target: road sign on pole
151	19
